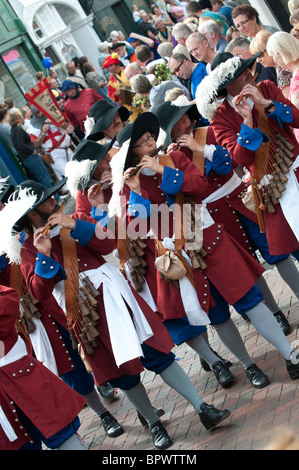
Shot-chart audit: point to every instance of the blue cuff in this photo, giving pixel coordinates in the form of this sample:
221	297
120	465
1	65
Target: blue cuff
282	114
172	181
221	164
3	262
101	216
251	139
48	268
83	231
139	206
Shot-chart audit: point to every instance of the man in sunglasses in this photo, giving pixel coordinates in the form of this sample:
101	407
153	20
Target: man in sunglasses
186	69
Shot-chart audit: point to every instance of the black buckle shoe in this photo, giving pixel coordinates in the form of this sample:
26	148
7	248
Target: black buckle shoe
143	421
211	417
107	391
160	437
293	366
283	322
222	374
206	366
111	426
257	377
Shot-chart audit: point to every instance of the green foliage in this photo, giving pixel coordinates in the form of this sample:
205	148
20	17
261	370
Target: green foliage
163	72
142	103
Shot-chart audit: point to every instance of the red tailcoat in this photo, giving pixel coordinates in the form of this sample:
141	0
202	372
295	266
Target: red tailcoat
44	398
90	256
226	125
223	211
230	268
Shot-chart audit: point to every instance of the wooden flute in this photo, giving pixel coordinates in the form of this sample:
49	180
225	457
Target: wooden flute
250	83
133	172
49	226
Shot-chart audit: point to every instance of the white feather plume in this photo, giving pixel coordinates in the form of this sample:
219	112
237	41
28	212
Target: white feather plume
17	205
181	101
78	172
206	93
161	137
117	165
88	125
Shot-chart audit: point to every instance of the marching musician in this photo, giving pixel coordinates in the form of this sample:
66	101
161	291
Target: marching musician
239	124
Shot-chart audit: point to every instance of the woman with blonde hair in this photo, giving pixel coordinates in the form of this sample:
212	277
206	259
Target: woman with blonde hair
232	33
259	43
293	5
284	48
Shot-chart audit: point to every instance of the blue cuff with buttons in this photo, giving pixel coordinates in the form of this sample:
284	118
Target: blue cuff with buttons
48	268
101	216
282	113
172	180
139	206
83	231
221	164
251	139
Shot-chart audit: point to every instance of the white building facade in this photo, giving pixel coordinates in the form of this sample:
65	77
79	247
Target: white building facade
60	29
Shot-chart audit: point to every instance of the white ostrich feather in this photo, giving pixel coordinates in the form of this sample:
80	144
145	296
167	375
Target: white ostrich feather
88	125
181	101
161	137
206	93
78	172
17	205
117	165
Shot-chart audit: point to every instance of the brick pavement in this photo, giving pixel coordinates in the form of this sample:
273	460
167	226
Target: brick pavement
256	415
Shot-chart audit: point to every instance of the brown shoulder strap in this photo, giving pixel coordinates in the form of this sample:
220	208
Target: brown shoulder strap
16	278
166	160
199	160
70	263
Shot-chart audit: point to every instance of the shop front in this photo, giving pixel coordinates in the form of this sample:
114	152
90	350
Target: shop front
19	61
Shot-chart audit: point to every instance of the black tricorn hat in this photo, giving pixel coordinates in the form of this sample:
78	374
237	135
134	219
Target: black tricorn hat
103	114
89	150
168	114
116	45
42	192
145	122
244	64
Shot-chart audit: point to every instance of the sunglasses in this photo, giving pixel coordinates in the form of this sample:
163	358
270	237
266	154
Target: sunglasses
174	71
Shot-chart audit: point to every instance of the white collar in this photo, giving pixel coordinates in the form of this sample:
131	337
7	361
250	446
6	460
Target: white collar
230	98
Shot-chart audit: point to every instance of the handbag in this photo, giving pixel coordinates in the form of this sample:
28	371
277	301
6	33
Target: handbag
170	266
248	200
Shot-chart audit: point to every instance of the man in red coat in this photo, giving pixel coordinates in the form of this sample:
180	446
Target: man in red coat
78	103
116	348
35	405
48	326
247	122
157	185
223	196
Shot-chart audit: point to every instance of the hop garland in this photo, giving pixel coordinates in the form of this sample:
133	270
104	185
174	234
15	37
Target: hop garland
142	103
163	72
